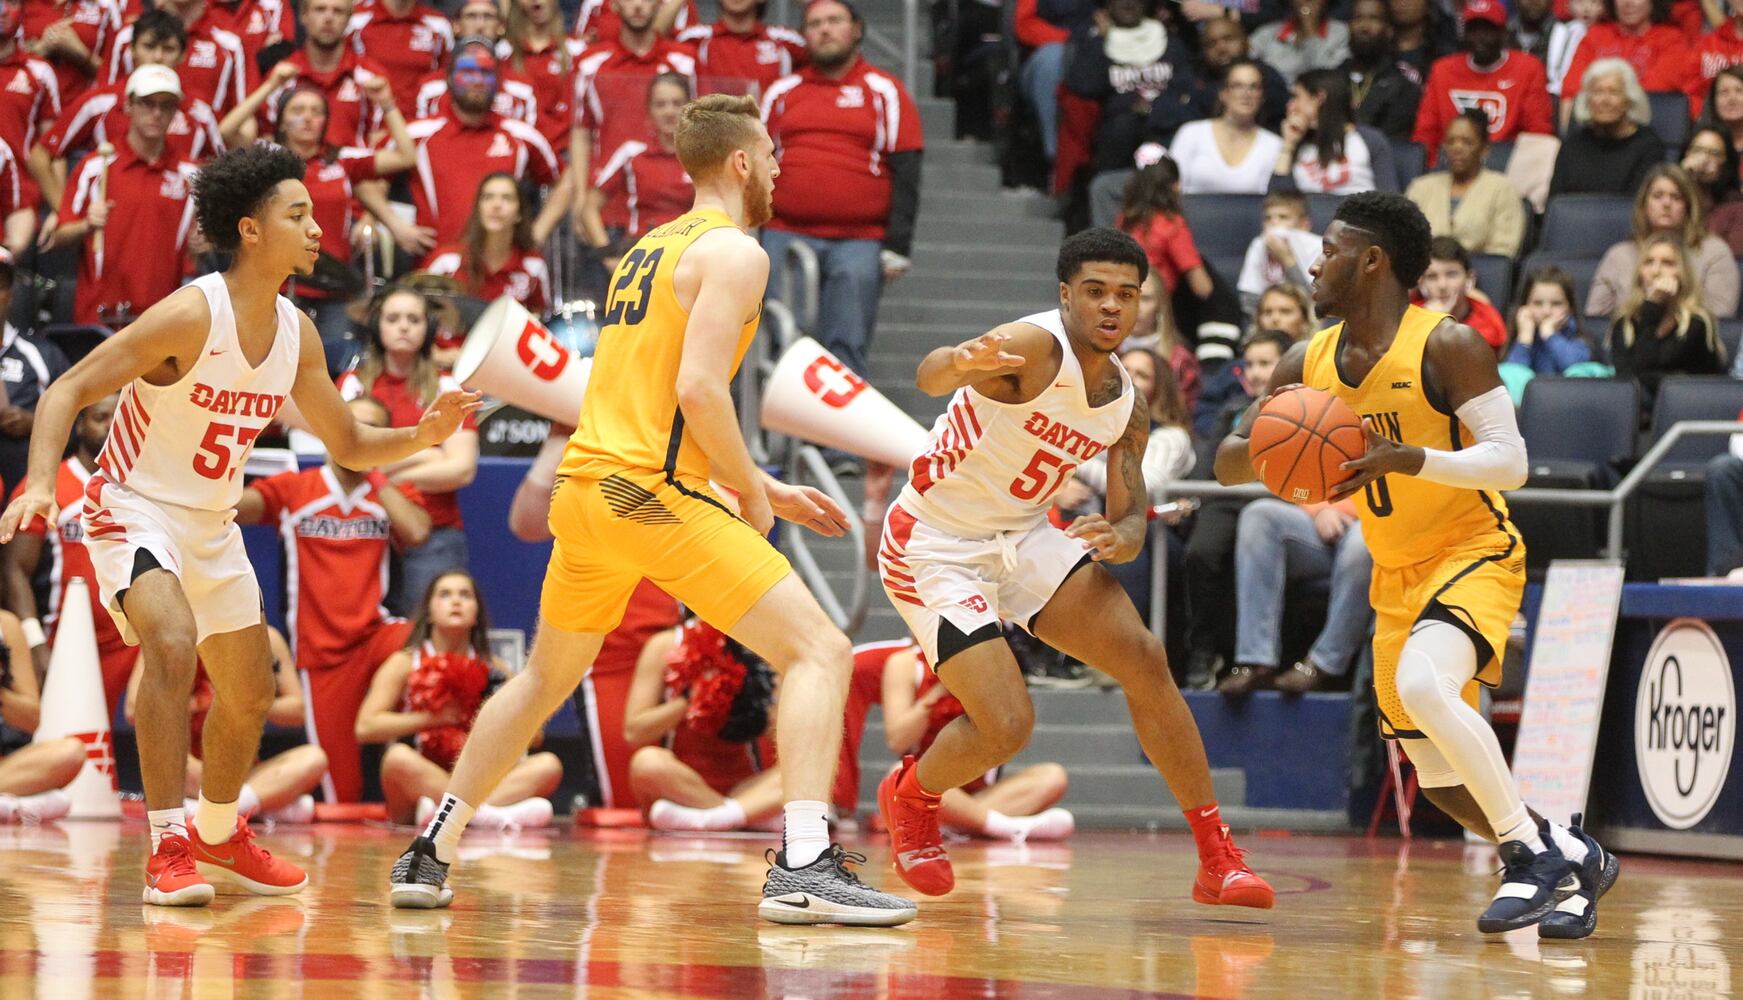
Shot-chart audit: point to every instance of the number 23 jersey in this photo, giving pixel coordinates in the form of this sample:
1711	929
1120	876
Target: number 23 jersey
992	467
1407	520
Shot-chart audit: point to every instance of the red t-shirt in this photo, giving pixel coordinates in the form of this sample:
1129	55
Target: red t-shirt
598	19
68	559
29	100
1033	30
335	560
1515	95
515	97
1167	241
611	87
255	21
216	68
330	182
93	21
409	46
1659	56
400	398
454	158
351	116
150	216
100	115
731	63
525	277
1719	48
14	191
554	92
831	137
643	186
1483	318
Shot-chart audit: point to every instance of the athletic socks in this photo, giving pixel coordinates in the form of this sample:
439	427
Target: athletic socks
215	822
165	822
1572	847
528	813
1208	831
807	831
1521	827
446	825
1051	824
668	815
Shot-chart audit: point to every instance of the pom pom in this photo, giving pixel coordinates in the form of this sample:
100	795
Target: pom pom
443	681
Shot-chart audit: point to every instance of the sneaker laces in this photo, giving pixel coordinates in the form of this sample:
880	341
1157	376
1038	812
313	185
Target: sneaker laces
244	840
1228	857
839	858
178	857
923	827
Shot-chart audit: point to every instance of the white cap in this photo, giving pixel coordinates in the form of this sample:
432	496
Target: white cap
154	79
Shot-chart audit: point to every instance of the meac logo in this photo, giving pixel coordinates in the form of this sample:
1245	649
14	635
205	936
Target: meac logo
833	382
1685	723
540	352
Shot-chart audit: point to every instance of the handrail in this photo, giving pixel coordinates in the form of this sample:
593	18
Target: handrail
802	300
804	456
906	49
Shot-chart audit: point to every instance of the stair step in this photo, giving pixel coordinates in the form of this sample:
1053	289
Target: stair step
954	153
1030	257
1005	229
976	206
937	181
971	315
1004	286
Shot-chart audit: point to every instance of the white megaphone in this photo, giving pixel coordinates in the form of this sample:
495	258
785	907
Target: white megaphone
812	395
510	355
73	705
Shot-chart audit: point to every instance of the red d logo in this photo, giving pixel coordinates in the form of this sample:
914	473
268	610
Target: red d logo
540	352
831	381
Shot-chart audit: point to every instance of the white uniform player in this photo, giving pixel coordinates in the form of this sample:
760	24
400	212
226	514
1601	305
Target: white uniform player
170	474
968	543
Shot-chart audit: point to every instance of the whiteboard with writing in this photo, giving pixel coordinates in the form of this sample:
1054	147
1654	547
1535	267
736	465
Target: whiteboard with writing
1564	688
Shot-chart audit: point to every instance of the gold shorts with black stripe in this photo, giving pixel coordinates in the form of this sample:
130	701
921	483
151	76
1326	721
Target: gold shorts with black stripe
613	532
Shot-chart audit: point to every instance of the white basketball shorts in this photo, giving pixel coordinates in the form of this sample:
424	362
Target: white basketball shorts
937	578
203	548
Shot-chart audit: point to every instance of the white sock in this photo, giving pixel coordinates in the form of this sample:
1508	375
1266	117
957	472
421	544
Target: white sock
447	825
1001	826
668	815
165	822
1572	848
807	831
529	813
215	822
247	803
300	811
1521	827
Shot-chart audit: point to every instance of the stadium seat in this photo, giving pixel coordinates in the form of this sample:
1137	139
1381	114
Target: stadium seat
1670	119
1321	208
1583	427
1499	154
1731	334
1694	397
1665	521
1494	276
1585	225
1224	223
1410	160
75	341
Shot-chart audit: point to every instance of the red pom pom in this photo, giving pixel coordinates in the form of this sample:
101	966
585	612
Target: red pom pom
442	681
702	665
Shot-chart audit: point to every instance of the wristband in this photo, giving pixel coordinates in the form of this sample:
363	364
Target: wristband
33	632
376	479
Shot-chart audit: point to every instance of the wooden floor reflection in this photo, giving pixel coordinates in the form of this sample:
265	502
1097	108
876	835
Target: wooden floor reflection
624	914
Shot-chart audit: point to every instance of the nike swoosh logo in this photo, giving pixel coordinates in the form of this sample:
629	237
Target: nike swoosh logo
1206	813
213	354
228	863
1062	385
803	903
908	858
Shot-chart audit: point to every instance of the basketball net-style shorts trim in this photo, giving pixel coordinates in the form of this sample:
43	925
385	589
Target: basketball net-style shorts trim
611	533
934	577
1476	588
203	548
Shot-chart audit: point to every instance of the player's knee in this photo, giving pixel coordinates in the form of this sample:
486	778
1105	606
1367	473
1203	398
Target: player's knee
1007	727
1419	687
171	656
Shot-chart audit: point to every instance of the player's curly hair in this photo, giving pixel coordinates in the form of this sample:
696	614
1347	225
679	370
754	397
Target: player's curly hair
235	184
1100	245
1395	225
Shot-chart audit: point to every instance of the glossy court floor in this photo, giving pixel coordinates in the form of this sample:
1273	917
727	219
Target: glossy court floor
627	914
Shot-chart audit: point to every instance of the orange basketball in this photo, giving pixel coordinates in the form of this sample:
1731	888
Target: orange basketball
1300	441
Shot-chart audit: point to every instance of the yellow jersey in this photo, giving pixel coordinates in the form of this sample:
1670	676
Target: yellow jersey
1407	520
630	418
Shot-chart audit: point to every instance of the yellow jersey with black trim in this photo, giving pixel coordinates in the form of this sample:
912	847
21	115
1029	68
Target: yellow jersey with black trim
1407	520
629	417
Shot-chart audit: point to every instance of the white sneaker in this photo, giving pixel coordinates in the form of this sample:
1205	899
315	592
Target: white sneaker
1054	824
300	811
31	810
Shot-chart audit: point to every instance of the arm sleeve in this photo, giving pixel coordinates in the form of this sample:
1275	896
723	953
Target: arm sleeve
1496	461
1181	249
904	201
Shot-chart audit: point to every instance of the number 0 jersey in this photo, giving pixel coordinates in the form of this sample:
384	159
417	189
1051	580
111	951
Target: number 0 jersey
993	467
186	443
1407	520
630	417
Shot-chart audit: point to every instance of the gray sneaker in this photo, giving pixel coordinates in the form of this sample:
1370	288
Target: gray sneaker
826	892
419	881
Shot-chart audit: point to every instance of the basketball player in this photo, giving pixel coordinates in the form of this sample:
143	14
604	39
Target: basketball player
201	374
968	544
1449	567
632	500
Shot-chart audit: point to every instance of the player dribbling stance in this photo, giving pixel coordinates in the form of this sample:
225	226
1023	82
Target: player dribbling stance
968	545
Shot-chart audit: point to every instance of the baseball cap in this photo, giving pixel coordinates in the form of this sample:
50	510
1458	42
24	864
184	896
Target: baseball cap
154	79
1486	10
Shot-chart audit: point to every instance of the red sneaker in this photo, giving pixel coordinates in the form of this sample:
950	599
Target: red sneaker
915	843
243	862
1224	878
170	876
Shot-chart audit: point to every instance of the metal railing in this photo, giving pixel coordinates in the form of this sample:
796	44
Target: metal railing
1615	499
799	276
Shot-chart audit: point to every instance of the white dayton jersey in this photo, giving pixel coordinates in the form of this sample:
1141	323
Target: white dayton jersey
186	443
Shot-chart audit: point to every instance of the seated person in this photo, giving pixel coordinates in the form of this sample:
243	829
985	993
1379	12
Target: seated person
1231	153
1020	806
706	703
31	774
1611	145
1713	164
431	691
1477	206
496	254
1662	328
1668	203
640	184
1448	286
278	788
1119	66
1324	151
1282	252
1547	337
1156	330
1305	39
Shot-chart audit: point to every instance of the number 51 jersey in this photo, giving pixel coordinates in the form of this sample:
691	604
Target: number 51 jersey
993	467
629	417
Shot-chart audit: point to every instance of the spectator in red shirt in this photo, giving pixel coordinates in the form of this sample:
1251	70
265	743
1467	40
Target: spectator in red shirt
496	254
327	63
1640	32
538	51
739	54
29	91
602	19
1723	108
516	97
258	23
1508	85
396	369
1446	287
215	69
409	39
848	138
641	184
73	36
337	527
1717	49
151	184
1150	212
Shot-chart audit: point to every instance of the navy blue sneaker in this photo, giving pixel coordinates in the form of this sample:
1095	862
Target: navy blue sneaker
1531	886
1577	916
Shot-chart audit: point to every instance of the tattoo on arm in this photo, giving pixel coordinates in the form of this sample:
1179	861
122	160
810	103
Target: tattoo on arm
1132	445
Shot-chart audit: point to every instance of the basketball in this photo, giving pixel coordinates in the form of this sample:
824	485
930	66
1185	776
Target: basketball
1300	441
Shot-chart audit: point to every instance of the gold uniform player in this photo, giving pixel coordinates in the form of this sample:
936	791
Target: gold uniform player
1449	567
633	501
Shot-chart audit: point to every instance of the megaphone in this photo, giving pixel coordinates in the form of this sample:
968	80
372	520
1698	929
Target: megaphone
512	356
73	705
812	395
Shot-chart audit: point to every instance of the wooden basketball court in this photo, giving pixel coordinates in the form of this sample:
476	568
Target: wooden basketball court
628	914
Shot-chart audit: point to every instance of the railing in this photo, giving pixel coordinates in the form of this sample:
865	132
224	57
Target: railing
800	280
1615	499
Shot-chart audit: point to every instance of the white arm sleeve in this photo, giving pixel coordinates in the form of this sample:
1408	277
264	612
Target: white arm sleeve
1496	461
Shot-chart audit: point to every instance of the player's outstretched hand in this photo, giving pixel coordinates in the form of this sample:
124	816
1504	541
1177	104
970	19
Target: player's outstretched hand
445	414
1383	456
809	507
31	503
1101	538
985	353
